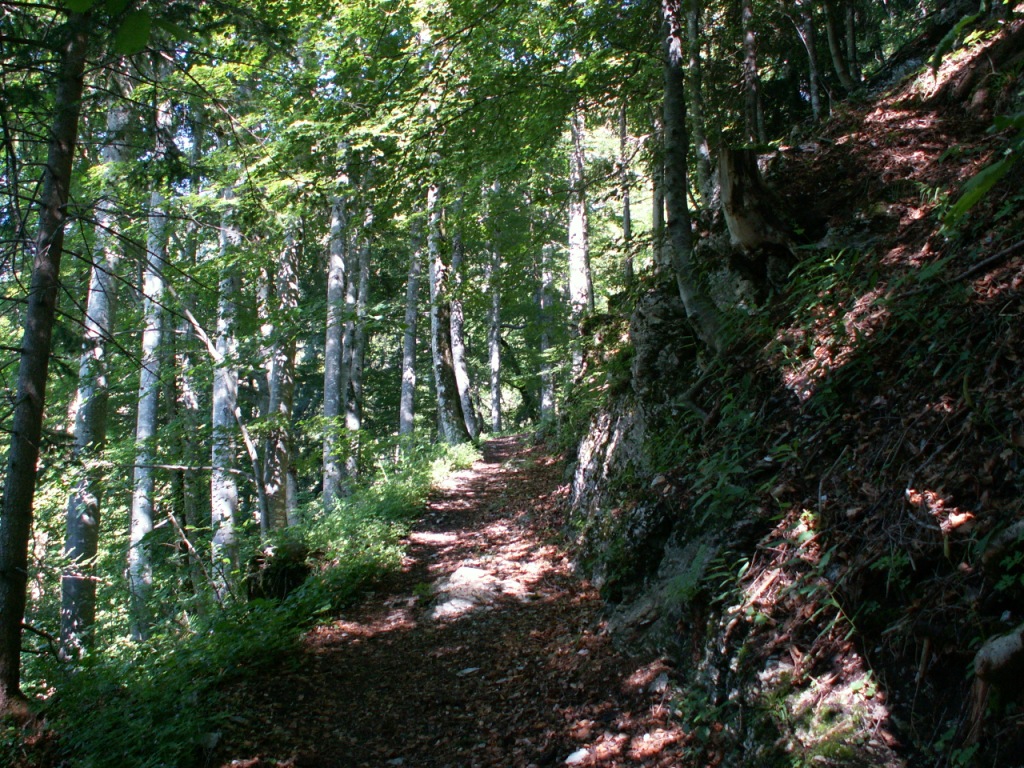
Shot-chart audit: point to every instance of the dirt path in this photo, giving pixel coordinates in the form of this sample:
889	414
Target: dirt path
485	651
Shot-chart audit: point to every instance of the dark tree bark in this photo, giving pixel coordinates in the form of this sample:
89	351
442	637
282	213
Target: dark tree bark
753	112
699	308
20	485
835	46
695	83
753	214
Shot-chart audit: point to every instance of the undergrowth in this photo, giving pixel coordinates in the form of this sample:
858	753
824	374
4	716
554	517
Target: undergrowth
154	703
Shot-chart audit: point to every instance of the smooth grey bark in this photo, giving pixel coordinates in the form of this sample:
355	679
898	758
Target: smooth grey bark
40	311
333	353
354	406
281	380
140	566
407	404
699	308
545	301
695	86
625	182
458	340
451	426
223	486
78	584
581	286
494	335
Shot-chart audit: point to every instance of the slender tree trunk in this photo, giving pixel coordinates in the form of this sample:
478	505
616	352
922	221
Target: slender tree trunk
695	85
458	340
699	308
281	382
659	241
852	55
140	566
835	46
624	186
806	30
450	423
78	585
753	112
406	417
223	487
494	336
354	410
545	299
20	483
581	287
333	353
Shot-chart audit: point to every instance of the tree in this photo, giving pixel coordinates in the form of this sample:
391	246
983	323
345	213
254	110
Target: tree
48	248
451	425
224	403
78	601
333	354
407	420
140	566
702	313
581	286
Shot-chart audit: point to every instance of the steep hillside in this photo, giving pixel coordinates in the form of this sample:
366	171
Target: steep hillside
822	530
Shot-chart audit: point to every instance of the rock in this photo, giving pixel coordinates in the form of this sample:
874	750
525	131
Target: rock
577	757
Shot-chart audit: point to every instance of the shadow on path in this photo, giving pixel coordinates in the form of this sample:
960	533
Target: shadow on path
485	651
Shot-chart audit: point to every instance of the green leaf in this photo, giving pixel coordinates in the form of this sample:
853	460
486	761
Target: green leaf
133	34
1004	122
978	186
79	6
176	31
115	7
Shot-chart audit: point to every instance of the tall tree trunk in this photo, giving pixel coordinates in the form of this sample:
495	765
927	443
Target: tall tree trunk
659	241
699	308
333	353
223	487
451	425
20	484
545	300
624	187
407	412
695	85
140	566
494	336
354	409
852	55
581	286
753	112
78	585
458	340
808	36
281	381
835	46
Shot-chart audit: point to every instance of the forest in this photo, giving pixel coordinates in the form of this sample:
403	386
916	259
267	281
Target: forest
750	271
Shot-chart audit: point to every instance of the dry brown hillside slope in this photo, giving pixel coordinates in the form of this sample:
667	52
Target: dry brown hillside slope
829	550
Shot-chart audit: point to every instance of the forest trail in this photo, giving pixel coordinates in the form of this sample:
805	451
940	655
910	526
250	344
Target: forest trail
486	650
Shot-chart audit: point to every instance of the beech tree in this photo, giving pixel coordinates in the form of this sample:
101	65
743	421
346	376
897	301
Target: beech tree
40	310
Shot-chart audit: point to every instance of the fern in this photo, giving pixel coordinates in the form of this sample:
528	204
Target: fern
949	41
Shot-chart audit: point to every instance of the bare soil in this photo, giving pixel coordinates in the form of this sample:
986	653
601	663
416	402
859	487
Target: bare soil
485	650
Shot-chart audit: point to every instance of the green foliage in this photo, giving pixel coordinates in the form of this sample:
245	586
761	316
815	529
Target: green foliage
950	39
154	703
979	185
